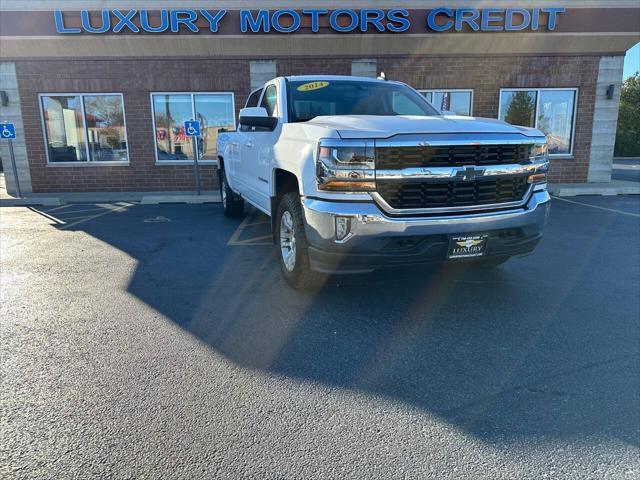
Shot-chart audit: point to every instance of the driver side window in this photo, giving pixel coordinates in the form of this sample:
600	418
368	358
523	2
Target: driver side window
270	101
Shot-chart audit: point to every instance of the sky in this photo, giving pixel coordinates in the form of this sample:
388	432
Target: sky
632	61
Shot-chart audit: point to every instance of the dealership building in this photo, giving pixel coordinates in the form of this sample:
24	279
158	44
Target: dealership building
99	89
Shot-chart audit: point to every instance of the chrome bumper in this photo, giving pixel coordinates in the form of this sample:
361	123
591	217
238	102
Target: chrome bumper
370	227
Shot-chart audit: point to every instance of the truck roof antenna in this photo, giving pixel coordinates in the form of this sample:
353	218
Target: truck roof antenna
382	76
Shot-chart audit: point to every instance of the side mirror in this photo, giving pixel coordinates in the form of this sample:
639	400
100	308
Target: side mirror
257	117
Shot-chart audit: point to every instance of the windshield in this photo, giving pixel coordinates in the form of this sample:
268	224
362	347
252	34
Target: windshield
310	99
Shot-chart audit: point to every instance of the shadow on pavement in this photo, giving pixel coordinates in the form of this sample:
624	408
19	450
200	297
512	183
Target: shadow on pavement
543	347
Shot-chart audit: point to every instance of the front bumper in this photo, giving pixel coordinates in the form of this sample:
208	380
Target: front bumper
378	240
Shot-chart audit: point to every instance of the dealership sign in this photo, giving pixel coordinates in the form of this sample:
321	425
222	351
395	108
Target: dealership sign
395	20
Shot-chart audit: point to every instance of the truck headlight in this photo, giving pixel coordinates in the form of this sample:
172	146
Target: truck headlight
539	156
346	166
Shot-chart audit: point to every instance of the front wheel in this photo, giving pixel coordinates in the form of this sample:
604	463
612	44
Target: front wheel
232	203
292	244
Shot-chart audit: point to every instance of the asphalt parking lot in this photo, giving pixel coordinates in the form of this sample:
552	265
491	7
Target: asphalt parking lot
161	342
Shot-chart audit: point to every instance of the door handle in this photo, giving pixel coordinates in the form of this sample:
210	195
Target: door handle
249	144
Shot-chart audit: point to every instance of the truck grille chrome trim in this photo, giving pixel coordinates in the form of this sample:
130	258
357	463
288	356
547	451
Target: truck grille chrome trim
447	173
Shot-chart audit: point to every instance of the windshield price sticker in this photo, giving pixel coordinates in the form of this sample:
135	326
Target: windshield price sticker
307	87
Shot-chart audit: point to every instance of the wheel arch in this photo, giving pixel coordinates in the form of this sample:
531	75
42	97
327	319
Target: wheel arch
284	181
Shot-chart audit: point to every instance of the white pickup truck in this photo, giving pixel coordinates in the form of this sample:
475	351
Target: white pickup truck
359	173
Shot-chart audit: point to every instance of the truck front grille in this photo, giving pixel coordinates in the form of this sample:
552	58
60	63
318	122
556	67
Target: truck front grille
450	156
422	194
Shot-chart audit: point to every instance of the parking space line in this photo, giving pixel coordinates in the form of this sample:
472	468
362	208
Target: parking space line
118	207
613	210
83	210
249	221
236	235
254	241
59	208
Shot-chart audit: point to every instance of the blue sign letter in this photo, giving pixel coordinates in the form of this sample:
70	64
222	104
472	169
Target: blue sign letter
553	16
60	28
146	26
125	21
399	16
86	22
275	21
315	18
523	12
469	16
491	15
366	19
176	21
213	19
247	20
333	20
431	19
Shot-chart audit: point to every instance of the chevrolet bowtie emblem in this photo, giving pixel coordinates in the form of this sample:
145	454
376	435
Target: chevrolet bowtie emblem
468	173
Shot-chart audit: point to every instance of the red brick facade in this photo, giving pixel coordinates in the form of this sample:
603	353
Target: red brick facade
135	79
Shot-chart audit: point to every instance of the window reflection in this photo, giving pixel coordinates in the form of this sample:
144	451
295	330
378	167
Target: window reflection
64	128
550	110
214	111
170	113
456	101
518	107
104	118
555	119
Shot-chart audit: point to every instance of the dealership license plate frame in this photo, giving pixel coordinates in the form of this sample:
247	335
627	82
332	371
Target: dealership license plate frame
476	246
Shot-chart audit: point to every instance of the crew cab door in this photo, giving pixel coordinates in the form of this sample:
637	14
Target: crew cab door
257	152
233	164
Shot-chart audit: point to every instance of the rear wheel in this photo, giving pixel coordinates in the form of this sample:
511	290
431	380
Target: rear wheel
292	244
232	203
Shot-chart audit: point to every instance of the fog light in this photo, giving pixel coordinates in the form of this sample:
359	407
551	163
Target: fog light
343	226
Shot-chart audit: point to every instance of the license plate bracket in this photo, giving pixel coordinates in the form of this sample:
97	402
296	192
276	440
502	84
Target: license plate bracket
467	246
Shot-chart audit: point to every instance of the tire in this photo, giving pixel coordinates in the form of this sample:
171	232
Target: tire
292	246
232	203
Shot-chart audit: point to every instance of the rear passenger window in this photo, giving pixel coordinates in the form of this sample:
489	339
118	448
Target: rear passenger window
254	96
270	100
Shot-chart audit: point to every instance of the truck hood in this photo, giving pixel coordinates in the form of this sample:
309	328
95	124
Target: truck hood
372	126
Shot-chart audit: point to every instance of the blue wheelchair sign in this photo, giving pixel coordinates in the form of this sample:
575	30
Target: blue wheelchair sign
192	128
8	131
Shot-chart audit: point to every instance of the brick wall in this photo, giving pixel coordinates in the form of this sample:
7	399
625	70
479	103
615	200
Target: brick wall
135	79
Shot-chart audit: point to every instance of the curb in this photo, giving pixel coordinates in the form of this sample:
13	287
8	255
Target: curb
568	190
190	199
28	202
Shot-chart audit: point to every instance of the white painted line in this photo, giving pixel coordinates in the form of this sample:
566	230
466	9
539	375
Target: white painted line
613	210
58	208
234	238
109	209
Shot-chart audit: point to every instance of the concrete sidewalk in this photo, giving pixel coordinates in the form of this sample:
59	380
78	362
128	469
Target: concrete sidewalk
144	198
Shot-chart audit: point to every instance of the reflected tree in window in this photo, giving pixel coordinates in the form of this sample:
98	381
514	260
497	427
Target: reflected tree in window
521	109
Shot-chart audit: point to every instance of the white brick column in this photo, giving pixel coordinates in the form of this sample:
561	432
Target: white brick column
605	119
12	113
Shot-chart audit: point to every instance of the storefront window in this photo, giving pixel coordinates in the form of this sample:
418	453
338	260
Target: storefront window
550	110
458	101
104	119
214	111
84	128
